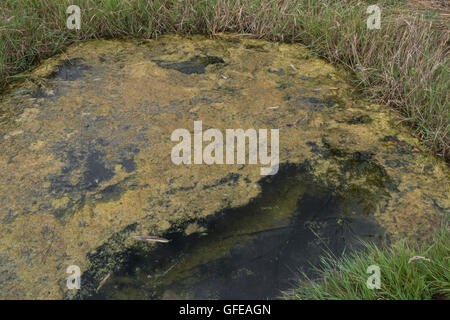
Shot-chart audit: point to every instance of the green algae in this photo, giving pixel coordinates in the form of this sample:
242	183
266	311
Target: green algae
248	252
86	152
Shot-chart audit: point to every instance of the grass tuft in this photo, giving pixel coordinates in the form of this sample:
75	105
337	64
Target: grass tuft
401	279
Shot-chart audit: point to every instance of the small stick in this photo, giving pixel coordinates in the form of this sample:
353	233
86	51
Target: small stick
165	272
103	281
151	239
320	89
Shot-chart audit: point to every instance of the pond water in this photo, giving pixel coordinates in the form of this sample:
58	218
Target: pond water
250	252
86	167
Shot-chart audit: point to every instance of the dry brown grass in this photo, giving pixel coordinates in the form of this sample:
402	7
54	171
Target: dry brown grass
404	65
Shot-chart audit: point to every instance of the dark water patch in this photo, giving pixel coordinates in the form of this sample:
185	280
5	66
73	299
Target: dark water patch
85	168
329	150
362	156
175	190
360	119
394	163
309	103
90	155
313	103
334	101
89	162
314	147
115	191
41	92
279	72
196	100
196	64
285	84
231	178
7	271
89	168
311	100
400	146
96	170
69	70
250	252
38	93
112	192
128	164
392	139
256	47
126	156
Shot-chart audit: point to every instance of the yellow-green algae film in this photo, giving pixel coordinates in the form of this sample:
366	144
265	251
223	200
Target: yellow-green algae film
86	154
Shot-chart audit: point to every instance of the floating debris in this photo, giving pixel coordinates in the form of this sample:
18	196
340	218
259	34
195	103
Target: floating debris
165	272
418	258
321	89
151	239
103	281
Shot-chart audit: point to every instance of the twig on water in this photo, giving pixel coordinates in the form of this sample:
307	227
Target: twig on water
151	239
103	281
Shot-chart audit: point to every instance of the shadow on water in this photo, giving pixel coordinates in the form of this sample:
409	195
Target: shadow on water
250	252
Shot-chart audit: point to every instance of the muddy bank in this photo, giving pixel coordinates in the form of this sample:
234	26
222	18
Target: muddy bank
86	150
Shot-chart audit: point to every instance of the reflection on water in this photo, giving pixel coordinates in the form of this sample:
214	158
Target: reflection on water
251	252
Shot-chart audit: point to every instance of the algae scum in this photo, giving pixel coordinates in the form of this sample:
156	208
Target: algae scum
250	252
86	166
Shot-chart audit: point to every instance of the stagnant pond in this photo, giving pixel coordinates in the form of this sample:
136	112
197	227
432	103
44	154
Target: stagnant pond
251	252
86	168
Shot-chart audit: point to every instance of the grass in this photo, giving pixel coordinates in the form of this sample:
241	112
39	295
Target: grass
345	278
403	65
